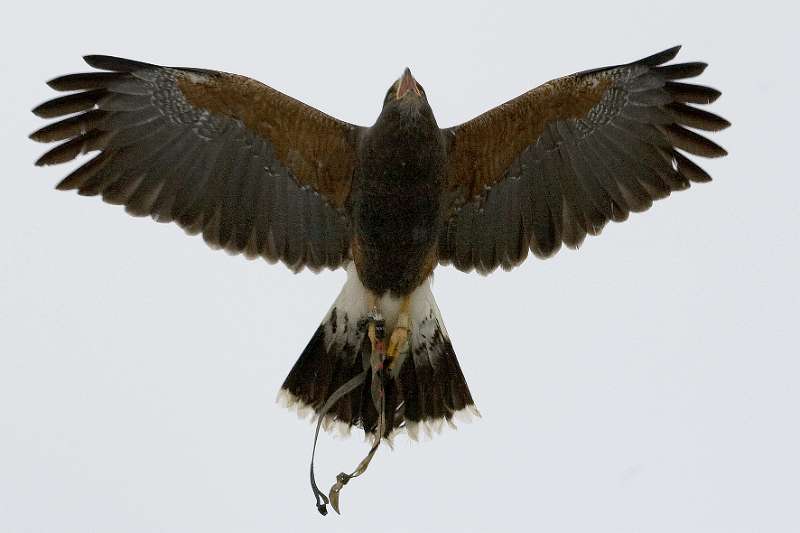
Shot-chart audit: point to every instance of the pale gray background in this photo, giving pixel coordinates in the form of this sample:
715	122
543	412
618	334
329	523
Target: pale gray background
646	383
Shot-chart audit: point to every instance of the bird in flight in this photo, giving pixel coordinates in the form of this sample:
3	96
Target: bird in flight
259	173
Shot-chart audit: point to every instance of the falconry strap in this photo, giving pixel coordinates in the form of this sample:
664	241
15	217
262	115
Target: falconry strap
374	364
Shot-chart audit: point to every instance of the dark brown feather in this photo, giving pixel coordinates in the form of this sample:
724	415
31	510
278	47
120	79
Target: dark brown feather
588	148
317	149
82	81
692	142
72	103
69	127
697	118
483	148
691	94
254	170
69	150
681	70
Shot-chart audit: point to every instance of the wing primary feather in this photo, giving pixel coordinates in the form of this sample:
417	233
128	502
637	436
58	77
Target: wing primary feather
575	212
691	94
692	142
575	170
464	237
651	97
661	57
129	85
619	208
294	226
640	152
279	216
83	80
595	193
552	194
69	150
697	118
71	103
591	214
636	197
644	132
646	165
248	197
232	185
69	127
80	175
187	205
681	70
690	169
314	233
125	102
263	220
138	134
123	121
157	172
185	169
116	64
492	229
111	173
128	164
206	155
513	245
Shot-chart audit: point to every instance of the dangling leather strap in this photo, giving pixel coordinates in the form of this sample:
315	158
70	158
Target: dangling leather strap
378	400
375	364
338	394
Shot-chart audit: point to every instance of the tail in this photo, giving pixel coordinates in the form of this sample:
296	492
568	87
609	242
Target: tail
428	388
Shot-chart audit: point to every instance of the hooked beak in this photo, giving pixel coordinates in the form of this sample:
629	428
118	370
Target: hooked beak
407	85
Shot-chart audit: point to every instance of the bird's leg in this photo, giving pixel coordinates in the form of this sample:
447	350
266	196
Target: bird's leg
376	328
399	339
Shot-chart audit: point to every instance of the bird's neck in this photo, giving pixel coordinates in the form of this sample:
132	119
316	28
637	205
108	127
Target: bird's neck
403	150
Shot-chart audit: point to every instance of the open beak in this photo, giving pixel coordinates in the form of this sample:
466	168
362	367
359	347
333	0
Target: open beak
407	85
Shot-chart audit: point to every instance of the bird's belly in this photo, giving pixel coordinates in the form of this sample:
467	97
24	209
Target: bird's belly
396	238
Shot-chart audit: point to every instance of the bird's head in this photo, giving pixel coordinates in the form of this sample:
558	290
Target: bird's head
405	87
405	92
406	102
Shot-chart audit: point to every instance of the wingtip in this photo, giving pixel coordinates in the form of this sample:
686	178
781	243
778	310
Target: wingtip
673	51
713	95
36	136
115	64
98	60
65	185
53	83
715	151
661	57
38	111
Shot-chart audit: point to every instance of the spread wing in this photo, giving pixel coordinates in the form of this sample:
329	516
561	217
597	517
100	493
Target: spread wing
558	162
254	170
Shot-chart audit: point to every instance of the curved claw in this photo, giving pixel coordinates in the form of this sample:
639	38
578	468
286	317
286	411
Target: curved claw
398	342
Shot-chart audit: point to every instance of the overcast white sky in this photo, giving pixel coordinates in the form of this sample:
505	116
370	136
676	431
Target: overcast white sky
646	383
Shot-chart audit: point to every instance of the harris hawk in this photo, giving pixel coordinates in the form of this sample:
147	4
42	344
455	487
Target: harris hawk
261	174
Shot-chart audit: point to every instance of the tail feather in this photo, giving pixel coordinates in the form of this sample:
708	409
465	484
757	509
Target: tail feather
427	391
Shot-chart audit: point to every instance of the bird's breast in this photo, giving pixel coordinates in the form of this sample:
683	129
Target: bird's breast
397	216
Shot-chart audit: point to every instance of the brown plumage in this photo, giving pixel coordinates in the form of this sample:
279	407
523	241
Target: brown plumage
255	171
558	162
259	173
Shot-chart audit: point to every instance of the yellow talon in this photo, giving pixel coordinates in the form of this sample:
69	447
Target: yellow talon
398	342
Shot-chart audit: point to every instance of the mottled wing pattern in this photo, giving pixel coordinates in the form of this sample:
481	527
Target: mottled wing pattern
253	170
558	162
